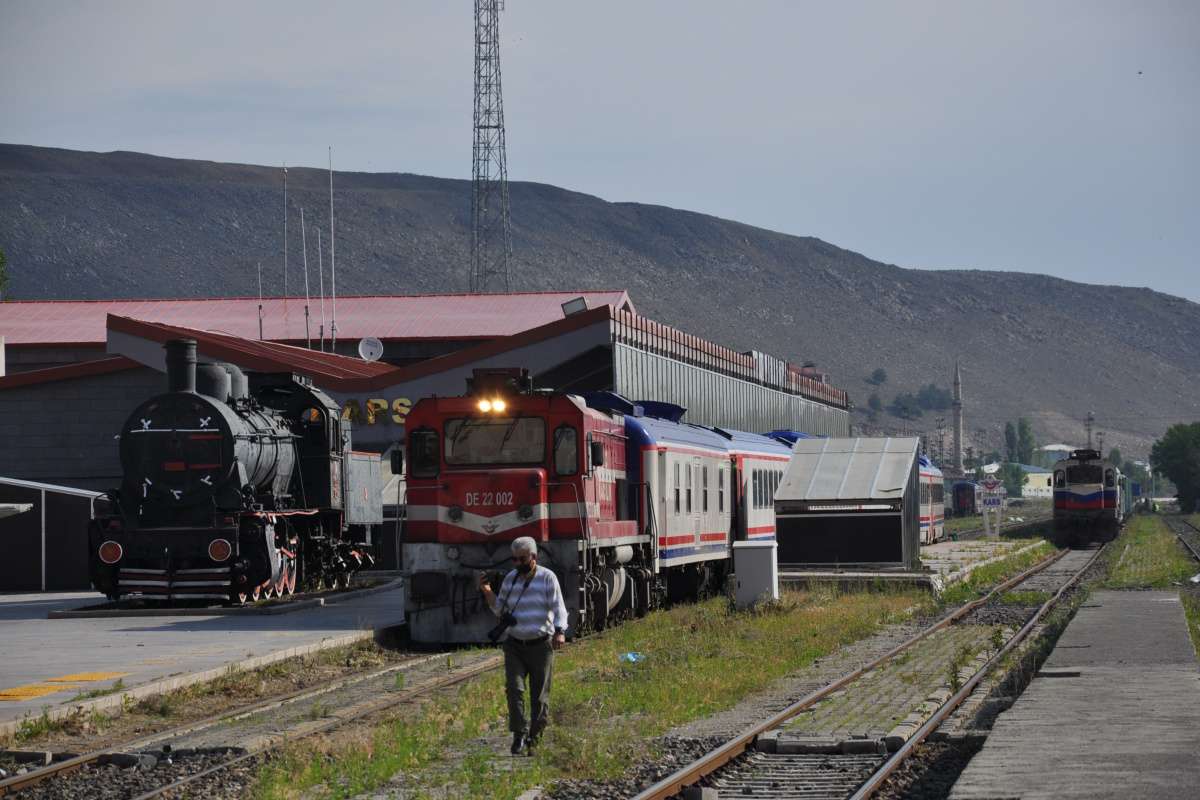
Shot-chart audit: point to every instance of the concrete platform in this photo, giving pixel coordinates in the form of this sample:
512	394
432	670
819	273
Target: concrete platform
945	563
44	663
1113	713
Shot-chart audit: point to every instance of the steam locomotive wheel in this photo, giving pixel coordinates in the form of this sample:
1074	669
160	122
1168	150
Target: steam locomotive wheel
253	595
290	579
280	587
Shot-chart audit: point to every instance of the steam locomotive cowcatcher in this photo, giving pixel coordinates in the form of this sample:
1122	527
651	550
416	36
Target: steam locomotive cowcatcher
233	488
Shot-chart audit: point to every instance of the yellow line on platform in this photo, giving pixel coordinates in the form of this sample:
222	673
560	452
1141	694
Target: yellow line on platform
87	677
31	690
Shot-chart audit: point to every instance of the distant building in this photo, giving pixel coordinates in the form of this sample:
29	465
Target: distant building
1039	481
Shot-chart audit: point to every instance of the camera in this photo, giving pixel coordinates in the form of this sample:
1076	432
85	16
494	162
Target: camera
507	620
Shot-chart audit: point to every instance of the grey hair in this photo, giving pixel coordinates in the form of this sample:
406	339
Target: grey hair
524	545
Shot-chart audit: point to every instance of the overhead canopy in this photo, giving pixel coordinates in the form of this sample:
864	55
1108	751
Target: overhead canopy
849	469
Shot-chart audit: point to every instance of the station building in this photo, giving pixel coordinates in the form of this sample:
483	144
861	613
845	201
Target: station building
76	369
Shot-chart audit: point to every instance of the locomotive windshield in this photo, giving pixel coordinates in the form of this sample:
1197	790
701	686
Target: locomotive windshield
495	440
1085	473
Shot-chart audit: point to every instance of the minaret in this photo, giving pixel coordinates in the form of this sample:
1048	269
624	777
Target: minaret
958	419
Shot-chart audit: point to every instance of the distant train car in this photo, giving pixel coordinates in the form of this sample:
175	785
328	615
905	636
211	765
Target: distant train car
967	499
1087	497
933	502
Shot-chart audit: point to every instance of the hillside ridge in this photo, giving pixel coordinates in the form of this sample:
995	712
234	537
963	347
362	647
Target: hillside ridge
79	225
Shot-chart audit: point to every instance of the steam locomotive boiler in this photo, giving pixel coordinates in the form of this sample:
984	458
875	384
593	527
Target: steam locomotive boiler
233	488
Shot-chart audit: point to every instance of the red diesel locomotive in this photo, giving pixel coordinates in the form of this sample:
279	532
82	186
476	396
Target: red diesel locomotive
630	506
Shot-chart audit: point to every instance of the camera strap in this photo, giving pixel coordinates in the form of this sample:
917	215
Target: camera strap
508	594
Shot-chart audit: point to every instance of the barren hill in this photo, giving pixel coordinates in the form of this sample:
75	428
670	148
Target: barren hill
90	225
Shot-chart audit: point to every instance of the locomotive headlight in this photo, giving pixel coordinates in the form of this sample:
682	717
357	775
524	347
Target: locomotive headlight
498	405
485	406
111	552
455	513
452	553
219	549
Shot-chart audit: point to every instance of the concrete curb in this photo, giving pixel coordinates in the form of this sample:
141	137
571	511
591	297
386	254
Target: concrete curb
180	681
357	593
242	611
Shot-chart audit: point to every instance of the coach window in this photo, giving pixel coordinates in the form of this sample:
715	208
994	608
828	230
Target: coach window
721	490
566	450
689	488
704	489
758	488
425	458
676	487
1060	479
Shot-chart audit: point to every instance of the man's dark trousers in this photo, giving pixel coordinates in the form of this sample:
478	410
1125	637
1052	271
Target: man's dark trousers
533	659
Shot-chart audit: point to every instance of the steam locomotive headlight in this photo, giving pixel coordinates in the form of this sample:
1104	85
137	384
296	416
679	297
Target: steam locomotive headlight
525	511
219	549
498	405
485	406
452	553
111	552
455	513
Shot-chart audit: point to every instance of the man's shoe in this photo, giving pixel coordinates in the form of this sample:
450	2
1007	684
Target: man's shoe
518	744
530	746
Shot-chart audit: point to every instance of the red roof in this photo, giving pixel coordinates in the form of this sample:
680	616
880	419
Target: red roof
341	373
325	368
99	366
445	316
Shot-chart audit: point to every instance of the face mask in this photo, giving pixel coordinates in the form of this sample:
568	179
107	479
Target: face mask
524	567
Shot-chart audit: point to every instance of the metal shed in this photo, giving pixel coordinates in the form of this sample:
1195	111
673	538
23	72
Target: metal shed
850	502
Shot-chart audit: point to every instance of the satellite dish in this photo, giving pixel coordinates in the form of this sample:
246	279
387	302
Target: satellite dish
370	348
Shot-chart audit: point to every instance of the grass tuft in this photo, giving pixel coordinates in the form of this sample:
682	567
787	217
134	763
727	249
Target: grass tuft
983	578
606	712
1147	555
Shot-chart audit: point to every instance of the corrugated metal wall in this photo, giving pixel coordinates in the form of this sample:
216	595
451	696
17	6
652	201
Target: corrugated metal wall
713	398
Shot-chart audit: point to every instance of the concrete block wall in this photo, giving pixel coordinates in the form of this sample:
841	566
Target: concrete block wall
63	432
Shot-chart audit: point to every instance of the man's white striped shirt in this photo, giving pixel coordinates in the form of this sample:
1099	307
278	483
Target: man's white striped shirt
538	607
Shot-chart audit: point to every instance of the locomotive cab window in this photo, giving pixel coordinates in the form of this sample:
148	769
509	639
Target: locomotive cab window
425	460
1109	479
1060	479
566	450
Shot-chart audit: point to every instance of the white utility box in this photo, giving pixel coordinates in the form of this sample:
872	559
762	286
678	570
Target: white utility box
756	567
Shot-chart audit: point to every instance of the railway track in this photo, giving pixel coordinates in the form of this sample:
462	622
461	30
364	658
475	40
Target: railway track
780	757
1188	534
166	762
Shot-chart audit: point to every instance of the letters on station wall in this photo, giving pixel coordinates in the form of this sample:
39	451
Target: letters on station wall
376	410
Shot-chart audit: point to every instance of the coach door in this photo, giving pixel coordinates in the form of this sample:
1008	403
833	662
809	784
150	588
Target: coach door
695	518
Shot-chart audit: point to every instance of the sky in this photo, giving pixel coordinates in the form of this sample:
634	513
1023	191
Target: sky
1051	137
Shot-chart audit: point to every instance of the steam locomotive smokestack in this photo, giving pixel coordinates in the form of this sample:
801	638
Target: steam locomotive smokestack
181	365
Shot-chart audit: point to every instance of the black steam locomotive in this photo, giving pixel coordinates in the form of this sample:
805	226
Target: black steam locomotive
235	486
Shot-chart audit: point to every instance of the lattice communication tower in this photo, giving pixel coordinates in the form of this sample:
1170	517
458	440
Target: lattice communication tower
491	234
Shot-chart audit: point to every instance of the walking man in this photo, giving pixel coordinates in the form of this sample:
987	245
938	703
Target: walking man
531	601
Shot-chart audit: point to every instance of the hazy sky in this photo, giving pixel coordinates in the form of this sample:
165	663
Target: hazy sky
1056	137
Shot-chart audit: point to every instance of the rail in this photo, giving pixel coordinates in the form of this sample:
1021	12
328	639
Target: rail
719	757
881	775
